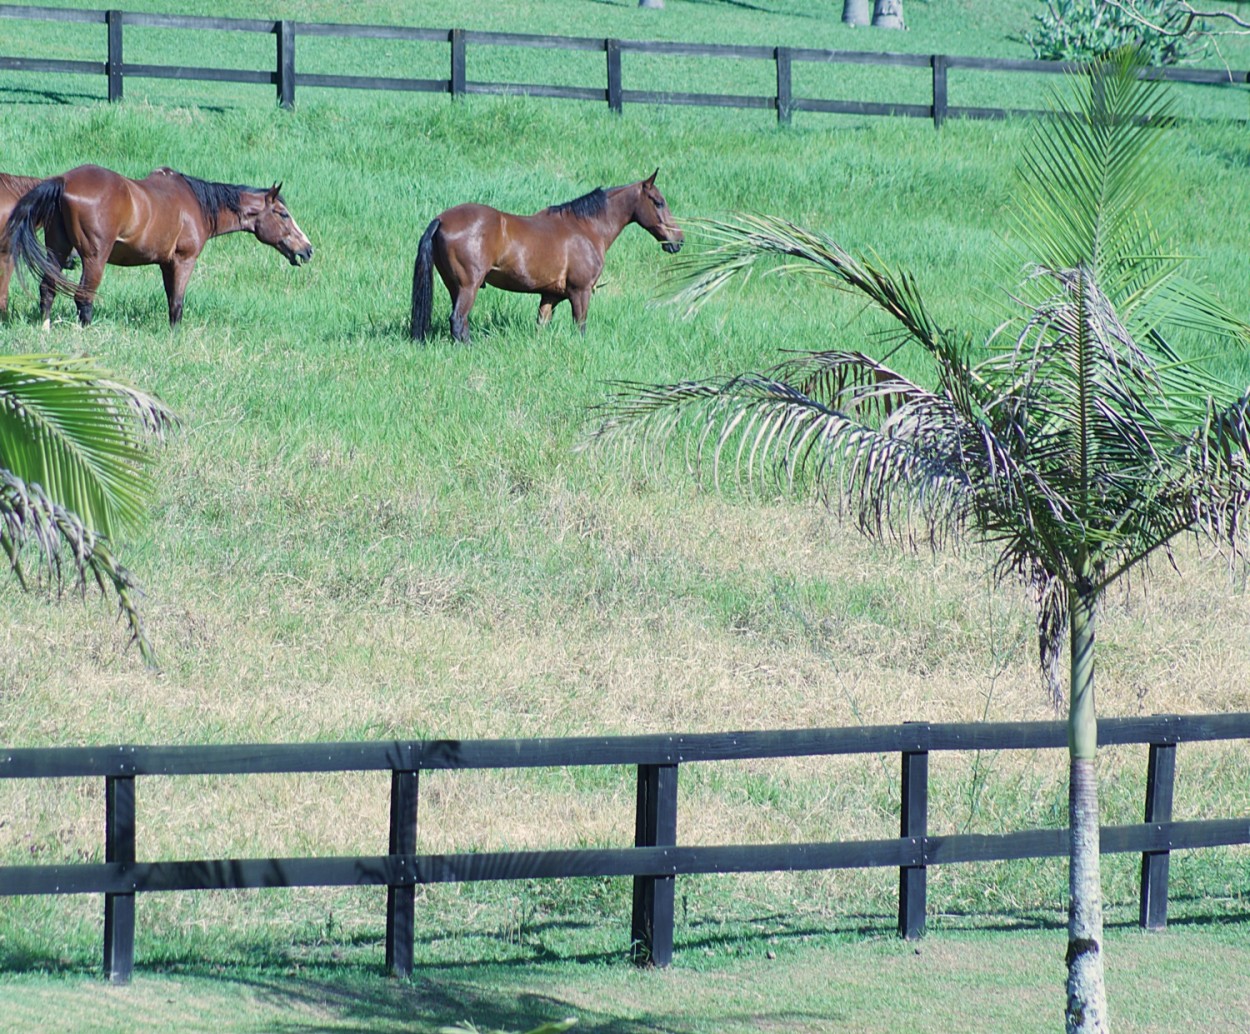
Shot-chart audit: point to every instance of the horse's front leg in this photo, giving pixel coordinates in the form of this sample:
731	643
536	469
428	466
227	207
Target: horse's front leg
176	274
580	301
545	305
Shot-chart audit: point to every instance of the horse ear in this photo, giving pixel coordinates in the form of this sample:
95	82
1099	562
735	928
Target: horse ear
274	191
650	182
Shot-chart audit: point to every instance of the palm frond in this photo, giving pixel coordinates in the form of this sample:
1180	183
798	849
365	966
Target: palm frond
1090	168
896	455
81	435
29	520
740	246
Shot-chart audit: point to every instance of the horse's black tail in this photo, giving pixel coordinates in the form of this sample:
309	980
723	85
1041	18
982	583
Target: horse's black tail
35	209
423	283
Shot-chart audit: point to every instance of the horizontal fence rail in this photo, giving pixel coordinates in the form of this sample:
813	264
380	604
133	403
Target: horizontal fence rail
655	860
285	77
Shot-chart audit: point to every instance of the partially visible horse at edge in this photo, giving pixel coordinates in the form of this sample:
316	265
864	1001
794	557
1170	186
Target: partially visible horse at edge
11	189
164	219
556	253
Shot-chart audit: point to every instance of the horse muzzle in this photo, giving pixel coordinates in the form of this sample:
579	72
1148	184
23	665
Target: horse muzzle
672	247
298	258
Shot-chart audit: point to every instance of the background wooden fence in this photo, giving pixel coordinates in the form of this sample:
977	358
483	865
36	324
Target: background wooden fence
285	77
655	860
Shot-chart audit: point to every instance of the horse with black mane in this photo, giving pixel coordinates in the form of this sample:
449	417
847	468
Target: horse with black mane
164	219
556	253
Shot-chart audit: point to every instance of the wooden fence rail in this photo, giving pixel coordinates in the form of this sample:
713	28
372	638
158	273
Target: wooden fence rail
284	76
656	859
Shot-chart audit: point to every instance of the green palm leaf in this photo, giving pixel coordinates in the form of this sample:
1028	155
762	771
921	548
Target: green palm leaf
74	471
79	434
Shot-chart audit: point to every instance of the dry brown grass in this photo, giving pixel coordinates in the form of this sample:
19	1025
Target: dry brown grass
429	654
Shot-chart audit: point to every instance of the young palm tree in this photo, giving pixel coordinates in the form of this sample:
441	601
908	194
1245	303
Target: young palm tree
1075	439
74	472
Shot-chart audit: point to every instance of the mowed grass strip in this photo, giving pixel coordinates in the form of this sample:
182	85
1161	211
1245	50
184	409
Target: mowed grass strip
743	979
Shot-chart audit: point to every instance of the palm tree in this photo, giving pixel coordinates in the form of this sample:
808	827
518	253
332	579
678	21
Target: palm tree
1075	439
74	472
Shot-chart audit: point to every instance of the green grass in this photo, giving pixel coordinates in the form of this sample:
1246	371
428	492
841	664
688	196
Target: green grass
356	537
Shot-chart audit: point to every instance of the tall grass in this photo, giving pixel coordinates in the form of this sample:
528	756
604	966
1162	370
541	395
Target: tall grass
357	537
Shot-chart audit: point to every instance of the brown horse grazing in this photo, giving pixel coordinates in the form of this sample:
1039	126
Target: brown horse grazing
11	188
165	220
556	253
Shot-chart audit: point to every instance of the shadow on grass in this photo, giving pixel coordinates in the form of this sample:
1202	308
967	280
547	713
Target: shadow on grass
423	1003
23	95
509	981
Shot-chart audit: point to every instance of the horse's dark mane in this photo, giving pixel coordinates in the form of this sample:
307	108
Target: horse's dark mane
213	197
583	207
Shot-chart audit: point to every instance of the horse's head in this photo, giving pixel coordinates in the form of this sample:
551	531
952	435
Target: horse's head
652	214
273	225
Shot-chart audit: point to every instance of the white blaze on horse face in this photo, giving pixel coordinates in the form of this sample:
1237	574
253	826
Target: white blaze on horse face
305	248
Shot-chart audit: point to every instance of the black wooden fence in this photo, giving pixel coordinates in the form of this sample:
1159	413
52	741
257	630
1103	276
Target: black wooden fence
655	860
284	76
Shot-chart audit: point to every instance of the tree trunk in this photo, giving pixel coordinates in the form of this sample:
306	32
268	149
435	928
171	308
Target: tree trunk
855	12
1086	1011
887	14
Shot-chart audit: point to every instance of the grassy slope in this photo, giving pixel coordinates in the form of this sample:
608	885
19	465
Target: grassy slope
357	538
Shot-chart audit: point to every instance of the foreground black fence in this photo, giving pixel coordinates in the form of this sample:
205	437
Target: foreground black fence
286	78
656	859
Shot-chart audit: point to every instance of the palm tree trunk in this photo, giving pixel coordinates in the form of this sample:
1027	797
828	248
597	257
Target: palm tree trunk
1086	1011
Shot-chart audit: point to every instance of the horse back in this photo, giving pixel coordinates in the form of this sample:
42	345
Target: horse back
12	187
477	220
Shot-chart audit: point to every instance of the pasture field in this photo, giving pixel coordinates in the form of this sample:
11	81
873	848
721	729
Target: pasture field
357	537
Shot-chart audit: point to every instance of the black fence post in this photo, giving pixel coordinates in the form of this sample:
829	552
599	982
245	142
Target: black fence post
1160	773
119	909
914	823
113	22
785	104
939	90
457	63
285	31
401	900
613	47
655	826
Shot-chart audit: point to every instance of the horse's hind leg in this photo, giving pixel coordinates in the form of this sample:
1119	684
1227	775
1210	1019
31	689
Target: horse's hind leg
84	296
461	302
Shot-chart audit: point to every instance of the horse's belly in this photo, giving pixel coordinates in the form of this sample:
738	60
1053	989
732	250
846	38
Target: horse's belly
123	255
510	281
